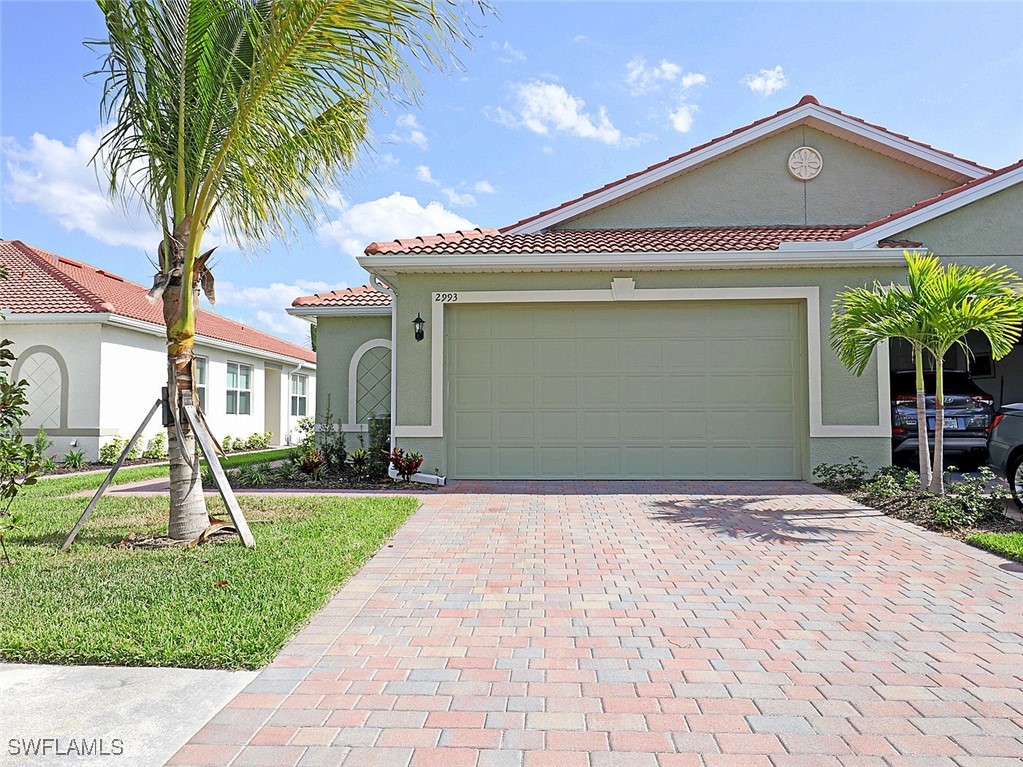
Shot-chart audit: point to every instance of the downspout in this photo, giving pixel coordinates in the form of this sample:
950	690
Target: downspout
383	287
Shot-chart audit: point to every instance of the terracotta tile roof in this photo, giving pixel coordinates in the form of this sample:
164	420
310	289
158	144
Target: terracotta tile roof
933	200
807	99
411	244
40	282
364	295
654	240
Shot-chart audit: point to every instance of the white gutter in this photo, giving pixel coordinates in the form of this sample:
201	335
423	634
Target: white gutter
310	313
816	255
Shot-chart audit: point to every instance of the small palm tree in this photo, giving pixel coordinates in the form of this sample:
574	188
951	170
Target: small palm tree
958	299
934	311
864	318
250	110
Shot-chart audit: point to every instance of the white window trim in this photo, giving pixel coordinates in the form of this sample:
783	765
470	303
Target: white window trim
353	382
250	390
205	386
624	289
291	393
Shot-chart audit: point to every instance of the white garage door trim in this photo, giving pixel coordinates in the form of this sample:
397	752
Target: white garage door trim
624	289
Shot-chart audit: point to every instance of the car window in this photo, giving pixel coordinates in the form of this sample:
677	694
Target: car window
956	382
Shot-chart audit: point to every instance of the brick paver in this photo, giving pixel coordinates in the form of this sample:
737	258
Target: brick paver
646	623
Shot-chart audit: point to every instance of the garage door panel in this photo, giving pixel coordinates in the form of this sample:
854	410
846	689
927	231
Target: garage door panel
514	391
515	427
513	356
687	390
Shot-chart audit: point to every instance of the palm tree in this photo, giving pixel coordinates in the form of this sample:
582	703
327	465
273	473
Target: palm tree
863	318
934	311
250	110
955	300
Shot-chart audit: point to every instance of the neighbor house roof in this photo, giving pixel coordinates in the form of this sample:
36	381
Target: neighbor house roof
807	111
364	295
43	283
651	240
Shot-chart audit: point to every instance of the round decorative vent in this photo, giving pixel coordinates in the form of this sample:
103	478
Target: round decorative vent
805	163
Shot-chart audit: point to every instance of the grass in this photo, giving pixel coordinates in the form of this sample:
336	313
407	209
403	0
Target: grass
233	461
1008	545
213	606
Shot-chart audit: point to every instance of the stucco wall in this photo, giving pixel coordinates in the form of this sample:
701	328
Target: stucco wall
845	399
753	187
78	346
337	339
974	233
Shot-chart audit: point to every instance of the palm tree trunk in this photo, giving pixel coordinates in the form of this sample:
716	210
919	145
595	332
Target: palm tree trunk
188	515
938	476
923	450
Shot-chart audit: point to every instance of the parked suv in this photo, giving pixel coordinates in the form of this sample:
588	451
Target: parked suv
1005	449
969	411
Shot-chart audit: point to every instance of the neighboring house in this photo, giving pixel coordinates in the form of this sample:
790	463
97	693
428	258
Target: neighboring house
673	323
93	350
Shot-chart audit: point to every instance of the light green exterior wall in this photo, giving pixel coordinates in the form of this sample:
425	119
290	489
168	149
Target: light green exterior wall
337	339
974	233
845	400
754	187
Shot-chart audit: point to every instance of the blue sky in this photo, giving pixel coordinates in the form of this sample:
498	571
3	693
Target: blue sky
554	99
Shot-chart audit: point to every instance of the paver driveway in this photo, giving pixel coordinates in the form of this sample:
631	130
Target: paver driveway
593	624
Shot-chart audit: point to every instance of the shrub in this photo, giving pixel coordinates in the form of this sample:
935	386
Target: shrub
42	443
307	430
332	440
379	447
405	463
891	482
289	471
311	461
358	459
841	477
112	450
255	474
74	459
227	443
156	448
259	441
19	463
971	500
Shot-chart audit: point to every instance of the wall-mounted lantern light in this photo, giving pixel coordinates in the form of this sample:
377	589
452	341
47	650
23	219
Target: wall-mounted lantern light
419	323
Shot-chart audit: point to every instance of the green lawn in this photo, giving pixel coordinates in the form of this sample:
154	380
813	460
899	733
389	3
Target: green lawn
214	606
1008	545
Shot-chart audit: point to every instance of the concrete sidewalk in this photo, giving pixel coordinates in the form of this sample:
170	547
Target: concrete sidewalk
128	717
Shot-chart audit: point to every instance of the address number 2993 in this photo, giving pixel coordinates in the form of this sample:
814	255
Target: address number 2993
445	298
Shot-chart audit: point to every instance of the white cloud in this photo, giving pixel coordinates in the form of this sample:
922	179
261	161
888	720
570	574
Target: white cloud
692	79
508	54
766	81
544	107
483	187
579	39
354	226
56	179
643	79
682	117
387	160
407	130
264	306
454	197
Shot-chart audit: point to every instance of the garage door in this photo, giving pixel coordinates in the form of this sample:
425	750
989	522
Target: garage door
696	390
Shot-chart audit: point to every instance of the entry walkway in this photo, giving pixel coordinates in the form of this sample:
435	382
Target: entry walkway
646	625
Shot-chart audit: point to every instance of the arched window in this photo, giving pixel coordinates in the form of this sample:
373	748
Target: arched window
46	373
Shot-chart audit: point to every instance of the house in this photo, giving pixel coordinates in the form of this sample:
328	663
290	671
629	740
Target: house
673	323
93	349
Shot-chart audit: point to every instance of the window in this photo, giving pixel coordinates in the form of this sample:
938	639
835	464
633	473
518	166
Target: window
200	381
239	389
299	392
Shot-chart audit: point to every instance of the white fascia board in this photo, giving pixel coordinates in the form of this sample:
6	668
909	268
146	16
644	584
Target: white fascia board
55	318
732	143
215	343
310	313
939	208
817	257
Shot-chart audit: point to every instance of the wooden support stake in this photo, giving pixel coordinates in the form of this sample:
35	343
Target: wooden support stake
208	449
109	478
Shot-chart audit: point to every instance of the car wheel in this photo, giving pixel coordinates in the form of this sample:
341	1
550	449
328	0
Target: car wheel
1015	475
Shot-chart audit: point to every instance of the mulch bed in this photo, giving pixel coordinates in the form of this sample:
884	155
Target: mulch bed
61	469
335	482
911	507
